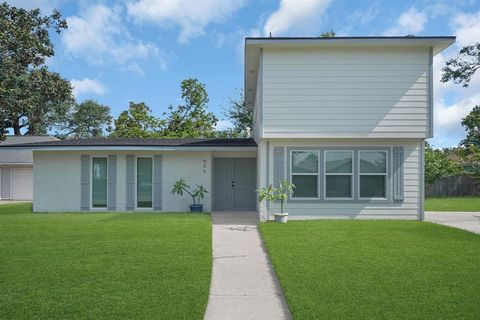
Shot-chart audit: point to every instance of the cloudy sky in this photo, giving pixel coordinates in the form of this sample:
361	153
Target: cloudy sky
140	50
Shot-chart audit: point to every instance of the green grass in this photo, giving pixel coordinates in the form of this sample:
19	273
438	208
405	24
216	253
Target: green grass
103	265
470	204
376	269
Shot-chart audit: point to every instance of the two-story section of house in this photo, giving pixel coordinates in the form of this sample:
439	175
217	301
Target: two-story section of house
345	120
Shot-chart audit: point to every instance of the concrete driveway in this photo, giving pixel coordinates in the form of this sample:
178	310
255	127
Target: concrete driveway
243	285
461	220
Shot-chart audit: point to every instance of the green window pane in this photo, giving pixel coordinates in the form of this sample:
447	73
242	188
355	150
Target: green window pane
338	186
373	162
338	162
372	187
305	186
99	182
144	182
304	162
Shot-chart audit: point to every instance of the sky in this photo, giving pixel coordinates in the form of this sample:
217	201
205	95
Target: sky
115	52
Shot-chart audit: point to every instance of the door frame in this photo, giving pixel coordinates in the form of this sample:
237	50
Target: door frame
214	159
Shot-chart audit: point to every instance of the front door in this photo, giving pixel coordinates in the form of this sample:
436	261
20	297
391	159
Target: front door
234	182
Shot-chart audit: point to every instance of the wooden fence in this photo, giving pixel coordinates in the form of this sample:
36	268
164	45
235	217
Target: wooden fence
462	185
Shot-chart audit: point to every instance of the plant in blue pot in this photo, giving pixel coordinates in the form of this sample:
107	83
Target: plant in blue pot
180	187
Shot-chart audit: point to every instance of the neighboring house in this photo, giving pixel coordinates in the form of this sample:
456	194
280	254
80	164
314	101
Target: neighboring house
16	174
344	119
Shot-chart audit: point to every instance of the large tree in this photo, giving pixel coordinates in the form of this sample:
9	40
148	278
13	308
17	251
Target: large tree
190	119
461	68
241	117
38	101
31	97
88	119
137	122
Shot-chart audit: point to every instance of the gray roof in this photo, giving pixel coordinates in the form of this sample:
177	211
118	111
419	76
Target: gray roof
19	156
139	142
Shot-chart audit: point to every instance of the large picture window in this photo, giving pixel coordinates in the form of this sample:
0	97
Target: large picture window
373	174
99	182
304	173
144	182
338	174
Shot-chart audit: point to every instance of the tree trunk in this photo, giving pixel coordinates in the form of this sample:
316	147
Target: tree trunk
16	129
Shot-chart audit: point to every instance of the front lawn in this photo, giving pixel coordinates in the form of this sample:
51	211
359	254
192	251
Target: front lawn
334	269
470	204
103	265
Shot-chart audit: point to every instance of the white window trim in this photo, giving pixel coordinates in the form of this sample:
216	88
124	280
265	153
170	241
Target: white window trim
325	174
305	174
373	174
91	184
136	189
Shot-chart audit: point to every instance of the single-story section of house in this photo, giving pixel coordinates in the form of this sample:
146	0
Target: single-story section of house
16	168
138	174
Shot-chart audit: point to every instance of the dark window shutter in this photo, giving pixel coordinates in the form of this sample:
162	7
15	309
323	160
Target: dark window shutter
130	182
112	183
84	182
278	165
398	176
157	182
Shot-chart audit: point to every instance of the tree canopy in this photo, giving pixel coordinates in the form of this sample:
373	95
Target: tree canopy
88	119
241	116
438	165
461	68
472	125
137	122
328	34
190	119
32	98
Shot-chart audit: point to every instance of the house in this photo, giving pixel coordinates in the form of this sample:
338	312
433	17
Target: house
16	168
344	119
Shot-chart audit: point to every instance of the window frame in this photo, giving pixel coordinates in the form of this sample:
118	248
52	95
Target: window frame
360	174
136	184
351	174
318	174
91	183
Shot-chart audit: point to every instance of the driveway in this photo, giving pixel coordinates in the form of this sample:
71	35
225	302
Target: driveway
461	220
243	285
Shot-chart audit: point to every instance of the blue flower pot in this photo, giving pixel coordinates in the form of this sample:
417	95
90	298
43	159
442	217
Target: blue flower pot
196	208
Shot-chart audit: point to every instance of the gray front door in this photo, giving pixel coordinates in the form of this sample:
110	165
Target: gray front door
234	182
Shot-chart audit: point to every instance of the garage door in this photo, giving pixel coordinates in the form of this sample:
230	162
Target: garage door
22	184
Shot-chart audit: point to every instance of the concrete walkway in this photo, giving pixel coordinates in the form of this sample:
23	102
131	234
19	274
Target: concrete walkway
461	220
243	285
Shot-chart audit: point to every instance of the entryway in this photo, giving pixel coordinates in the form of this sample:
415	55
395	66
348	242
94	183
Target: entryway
234	184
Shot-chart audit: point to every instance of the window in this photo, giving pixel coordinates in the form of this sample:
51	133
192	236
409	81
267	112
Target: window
373	174
99	182
144	182
338	174
304	174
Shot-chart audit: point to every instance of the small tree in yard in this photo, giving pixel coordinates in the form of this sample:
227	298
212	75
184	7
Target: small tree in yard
197	194
281	193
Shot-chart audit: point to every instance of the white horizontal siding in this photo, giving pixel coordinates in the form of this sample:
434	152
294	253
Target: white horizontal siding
311	92
408	209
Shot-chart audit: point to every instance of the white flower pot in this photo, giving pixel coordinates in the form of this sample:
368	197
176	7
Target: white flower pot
281	217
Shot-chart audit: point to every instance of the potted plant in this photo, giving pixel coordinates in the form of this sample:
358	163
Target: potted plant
281	193
197	194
